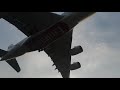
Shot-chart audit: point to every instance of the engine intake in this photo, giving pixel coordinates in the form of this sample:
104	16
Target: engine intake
76	50
75	65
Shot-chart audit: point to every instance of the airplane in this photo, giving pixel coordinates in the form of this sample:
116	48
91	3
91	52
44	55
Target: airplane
45	31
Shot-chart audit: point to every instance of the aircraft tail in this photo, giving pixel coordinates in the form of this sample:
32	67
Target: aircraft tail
13	62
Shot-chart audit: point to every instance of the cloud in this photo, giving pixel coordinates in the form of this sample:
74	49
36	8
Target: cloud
9	34
98	35
100	40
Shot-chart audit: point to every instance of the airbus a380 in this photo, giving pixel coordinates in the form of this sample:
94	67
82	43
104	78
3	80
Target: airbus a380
47	32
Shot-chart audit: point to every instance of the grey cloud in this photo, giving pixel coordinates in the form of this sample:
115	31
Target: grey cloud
9	34
101	45
98	30
98	35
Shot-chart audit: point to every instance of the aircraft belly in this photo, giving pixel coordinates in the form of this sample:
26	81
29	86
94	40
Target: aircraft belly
44	39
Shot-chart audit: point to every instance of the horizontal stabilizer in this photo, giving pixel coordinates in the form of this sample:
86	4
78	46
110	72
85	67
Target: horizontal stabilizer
2	52
14	64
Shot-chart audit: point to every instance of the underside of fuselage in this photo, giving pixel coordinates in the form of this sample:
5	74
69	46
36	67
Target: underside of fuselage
48	40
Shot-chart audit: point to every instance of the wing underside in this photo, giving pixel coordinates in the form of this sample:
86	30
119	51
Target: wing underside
32	22
59	53
13	62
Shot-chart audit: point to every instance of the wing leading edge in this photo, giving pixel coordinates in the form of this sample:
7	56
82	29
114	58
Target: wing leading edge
59	53
32	22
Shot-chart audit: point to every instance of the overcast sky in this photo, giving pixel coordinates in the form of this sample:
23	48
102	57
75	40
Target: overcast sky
99	35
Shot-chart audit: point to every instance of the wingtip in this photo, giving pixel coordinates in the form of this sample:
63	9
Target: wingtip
18	69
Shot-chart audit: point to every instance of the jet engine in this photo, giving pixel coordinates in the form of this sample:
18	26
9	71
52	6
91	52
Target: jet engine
75	65
76	50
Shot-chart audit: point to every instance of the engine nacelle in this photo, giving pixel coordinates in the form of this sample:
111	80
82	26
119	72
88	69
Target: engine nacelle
76	50
75	65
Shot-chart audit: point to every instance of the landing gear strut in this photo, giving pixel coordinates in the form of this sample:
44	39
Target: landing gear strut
40	50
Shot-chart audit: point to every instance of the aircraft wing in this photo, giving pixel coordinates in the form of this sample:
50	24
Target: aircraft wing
32	22
59	53
14	64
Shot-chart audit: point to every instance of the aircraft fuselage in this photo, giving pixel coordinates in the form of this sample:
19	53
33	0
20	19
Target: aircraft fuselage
41	40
